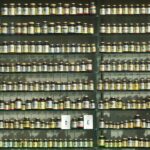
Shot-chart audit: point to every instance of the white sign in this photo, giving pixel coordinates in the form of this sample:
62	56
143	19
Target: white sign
65	121
88	121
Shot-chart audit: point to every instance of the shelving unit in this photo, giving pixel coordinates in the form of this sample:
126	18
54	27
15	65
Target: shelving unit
120	114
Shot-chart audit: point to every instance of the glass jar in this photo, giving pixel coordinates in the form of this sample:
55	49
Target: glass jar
32	9
66	9
39	9
73	9
5	10
26	9
31	28
12	9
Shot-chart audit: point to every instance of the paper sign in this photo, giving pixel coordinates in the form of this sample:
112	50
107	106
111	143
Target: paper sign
88	121
65	121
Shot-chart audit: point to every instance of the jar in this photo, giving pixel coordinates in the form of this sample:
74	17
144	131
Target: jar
78	28
33	8
44	27
46	10
58	28
18	104
80	122
86	9
59	9
38	29
136	65
11	47
101	141
24	28
5	10
130	65
74	123
12	28
12	9
71	28
39	9
25	47
49	103
73	9
66	9
137	121
4	28
92	8
103	10
25	9
80	9
51	27
137	9
31	28
64	28
18	9
142	28
53	9
90	29
148	83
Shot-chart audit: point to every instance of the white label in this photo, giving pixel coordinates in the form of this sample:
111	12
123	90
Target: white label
65	122
88	121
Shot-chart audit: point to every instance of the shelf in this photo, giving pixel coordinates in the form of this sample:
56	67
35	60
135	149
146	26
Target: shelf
46	129
124	53
54	148
82	72
123	90
53	91
125	129
122	34
128	15
124	148
48	110
50	34
124	71
51	15
47	53
124	109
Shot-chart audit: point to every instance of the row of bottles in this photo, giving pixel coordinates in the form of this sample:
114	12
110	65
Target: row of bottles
127	46
46	28
55	66
45	47
48	103
136	122
125	103
124	84
45	143
125	9
134	142
48	9
125	65
36	123
47	85
125	28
